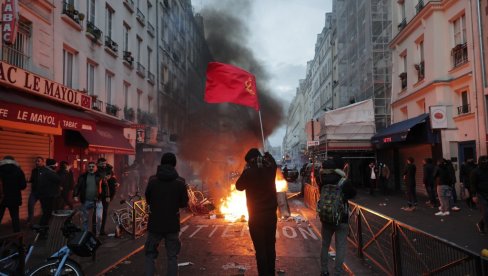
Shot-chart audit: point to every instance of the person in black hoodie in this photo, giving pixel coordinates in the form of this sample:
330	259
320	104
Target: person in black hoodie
331	174
258	180
12	179
67	185
429	181
479	190
48	190
166	192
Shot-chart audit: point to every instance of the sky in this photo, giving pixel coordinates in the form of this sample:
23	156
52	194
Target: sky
283	39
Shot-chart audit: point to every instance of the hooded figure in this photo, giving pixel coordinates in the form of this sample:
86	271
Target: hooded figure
258	180
12	181
166	193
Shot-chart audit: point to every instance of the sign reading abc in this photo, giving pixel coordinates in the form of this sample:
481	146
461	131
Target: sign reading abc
9	21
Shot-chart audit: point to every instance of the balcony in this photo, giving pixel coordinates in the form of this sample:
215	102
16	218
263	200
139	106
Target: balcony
96	103
129	4
112	45
420	70
70	11
94	31
128	57
14	56
112	109
150	29
464	109
129	114
402	24
141	70
140	17
403	78
150	78
459	54
419	6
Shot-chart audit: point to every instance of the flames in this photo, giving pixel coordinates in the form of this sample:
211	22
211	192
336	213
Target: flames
233	207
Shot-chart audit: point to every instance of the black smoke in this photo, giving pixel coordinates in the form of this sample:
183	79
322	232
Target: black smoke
220	134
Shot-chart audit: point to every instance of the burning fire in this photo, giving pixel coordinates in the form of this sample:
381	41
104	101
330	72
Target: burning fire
234	207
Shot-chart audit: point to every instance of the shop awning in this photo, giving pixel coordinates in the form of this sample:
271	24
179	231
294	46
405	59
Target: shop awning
106	139
398	132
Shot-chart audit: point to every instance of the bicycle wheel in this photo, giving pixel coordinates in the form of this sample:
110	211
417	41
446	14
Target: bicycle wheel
125	219
51	265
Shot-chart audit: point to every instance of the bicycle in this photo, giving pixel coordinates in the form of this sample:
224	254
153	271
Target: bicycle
198	203
81	243
9	264
123	217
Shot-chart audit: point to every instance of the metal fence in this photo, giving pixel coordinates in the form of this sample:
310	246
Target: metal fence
398	249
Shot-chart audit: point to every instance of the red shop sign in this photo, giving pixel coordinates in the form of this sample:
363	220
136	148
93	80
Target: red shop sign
30	115
9	21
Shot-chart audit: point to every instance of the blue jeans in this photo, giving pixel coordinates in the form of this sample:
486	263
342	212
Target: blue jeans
340	232
171	243
98	209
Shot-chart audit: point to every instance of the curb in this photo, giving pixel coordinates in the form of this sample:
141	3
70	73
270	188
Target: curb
133	252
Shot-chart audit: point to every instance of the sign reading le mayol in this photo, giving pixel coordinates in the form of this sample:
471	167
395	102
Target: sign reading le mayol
30	115
16	77
10	18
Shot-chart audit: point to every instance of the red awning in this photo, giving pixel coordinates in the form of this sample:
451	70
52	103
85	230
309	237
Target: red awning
105	139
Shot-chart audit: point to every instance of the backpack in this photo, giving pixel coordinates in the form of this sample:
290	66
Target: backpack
331	207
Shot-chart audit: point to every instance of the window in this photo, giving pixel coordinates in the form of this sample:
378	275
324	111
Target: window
126	37
90	78
68	60
109	15
91	11
403	74
403	19
464	108
139	93
18	54
149	56
420	67
108	86
459	26
139	43
126	95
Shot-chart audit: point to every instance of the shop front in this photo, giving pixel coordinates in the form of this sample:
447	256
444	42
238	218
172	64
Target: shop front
410	138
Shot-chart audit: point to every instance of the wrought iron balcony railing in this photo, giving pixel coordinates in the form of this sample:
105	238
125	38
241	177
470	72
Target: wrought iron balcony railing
420	70
420	5
150	29
112	109
140	17
128	57
402	24
70	11
12	55
403	78
141	70
150	77
459	54
463	109
93	30
112	45
129	4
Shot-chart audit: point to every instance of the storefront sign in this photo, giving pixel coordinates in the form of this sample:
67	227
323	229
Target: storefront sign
438	116
9	21
34	84
24	114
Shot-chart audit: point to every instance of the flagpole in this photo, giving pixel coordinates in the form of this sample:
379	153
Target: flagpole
262	132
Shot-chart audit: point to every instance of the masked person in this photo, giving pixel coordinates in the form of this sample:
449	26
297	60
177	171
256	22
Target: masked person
166	193
12	182
258	180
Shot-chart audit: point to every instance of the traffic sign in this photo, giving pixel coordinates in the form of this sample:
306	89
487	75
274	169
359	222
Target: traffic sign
312	143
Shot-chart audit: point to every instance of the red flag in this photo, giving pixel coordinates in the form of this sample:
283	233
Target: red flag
228	83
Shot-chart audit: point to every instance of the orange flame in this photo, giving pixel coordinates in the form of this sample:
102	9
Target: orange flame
234	208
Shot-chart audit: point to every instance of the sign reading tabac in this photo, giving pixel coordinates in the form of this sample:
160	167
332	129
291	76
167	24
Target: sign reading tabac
34	84
9	21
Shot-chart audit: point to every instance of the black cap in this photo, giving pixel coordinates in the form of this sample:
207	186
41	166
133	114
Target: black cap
251	154
50	162
168	159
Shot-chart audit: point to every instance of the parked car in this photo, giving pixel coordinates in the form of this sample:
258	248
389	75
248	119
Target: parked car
290	174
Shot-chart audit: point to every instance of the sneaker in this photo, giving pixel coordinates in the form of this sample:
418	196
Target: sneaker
440	213
447	213
480	228
409	209
455	208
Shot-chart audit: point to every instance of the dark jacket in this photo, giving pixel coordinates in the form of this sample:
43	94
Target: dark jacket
429	171
259	184
13	180
409	174
47	183
464	174
166	193
479	181
67	180
442	175
112	186
332	177
80	189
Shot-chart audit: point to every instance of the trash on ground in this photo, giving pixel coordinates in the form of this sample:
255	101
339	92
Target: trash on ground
241	267
185	264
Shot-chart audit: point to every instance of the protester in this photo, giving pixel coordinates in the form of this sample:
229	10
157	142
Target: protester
464	177
374	174
331	174
67	185
49	188
12	181
384	176
452	185
91	190
35	178
103	166
443	182
479	190
429	182
113	185
258	180
409	180
166	192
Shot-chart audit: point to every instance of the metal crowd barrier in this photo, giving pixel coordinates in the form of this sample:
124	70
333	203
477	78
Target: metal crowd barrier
399	249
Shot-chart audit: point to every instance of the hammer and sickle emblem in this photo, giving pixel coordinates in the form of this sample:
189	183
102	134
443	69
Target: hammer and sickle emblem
248	85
